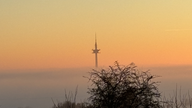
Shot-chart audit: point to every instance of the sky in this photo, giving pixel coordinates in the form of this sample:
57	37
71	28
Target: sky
45	34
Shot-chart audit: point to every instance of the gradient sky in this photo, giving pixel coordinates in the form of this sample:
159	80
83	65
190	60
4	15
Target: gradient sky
36	34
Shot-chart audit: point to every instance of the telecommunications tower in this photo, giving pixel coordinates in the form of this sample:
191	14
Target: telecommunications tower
96	51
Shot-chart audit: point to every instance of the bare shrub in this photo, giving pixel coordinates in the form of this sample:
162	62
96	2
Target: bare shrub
123	87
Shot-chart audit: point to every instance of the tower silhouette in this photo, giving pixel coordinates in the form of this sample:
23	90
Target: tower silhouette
96	51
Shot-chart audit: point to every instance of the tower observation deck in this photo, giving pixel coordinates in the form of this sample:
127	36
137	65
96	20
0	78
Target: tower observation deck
96	51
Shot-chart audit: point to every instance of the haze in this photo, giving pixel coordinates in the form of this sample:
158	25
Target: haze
38	38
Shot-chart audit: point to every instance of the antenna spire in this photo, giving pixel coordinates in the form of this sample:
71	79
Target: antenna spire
95	38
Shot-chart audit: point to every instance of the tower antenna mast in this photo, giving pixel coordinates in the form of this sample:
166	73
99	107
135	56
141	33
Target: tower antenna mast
96	51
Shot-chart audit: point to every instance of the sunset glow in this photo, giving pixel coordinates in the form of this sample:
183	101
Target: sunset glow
36	34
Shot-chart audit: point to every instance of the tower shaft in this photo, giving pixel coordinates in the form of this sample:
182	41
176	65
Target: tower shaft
96	60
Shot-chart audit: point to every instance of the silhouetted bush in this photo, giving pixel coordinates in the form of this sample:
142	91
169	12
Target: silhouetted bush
123	87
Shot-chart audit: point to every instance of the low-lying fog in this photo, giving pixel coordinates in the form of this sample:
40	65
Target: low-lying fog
36	88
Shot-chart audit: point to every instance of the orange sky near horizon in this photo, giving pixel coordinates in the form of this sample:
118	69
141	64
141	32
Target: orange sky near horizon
43	34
